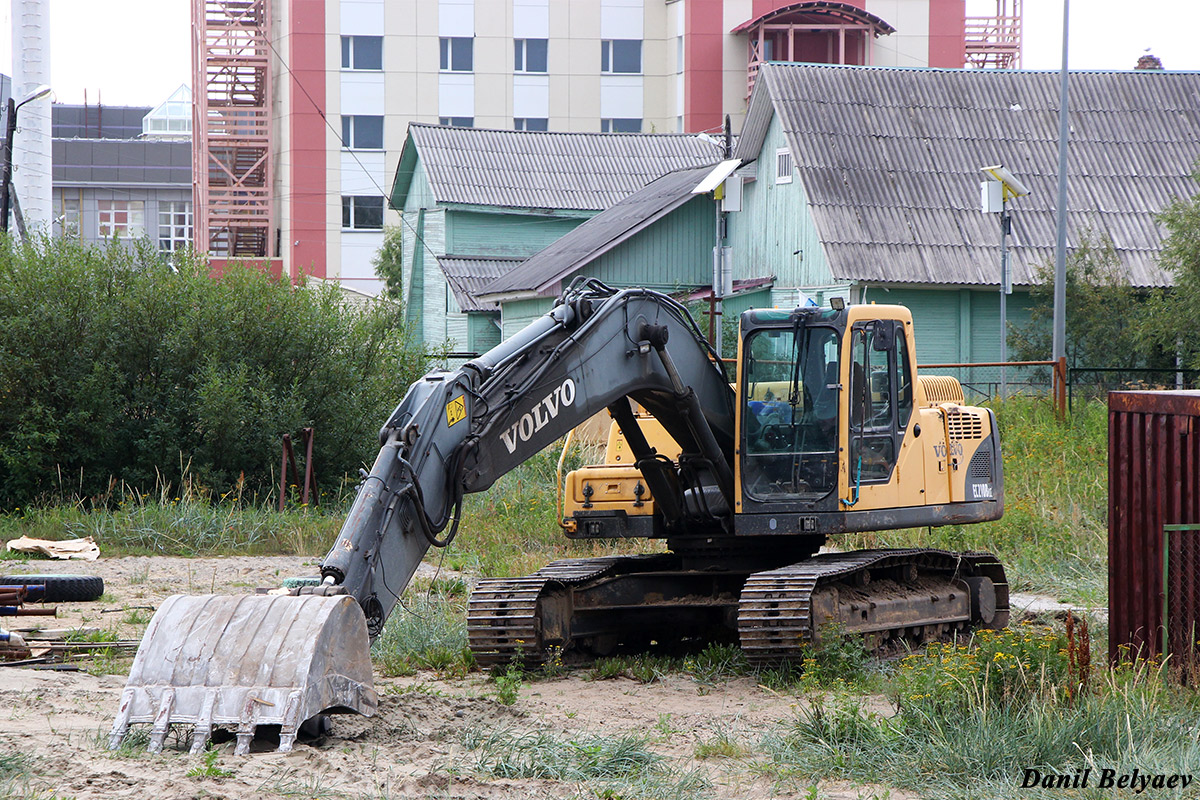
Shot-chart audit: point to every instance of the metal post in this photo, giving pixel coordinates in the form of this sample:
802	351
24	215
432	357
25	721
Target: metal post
1005	225
6	179
1059	348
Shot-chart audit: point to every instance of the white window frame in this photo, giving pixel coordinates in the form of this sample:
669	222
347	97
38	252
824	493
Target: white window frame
607	52
70	205
121	219
446	53
350	134
521	56
353	53
784	165
608	123
354	226
522	123
175	221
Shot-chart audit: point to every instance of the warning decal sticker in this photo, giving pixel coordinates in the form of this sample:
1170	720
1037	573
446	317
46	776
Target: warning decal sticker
456	410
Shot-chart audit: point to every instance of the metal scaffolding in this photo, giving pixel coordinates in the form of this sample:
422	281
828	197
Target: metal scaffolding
232	128
995	42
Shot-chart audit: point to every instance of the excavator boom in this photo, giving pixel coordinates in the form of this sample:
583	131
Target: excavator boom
281	660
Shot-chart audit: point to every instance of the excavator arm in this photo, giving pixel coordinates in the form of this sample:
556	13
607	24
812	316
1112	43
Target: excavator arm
457	432
290	657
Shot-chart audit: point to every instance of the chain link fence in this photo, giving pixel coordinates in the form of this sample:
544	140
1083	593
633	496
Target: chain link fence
1091	383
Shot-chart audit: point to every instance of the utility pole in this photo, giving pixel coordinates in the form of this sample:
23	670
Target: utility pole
1059	349
6	177
6	189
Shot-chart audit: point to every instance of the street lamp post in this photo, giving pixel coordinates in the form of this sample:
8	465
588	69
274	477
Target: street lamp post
995	192
6	179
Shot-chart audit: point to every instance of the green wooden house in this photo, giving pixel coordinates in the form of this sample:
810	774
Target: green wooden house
474	203
864	183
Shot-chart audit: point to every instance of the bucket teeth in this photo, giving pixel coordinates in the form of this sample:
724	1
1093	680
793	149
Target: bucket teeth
246	661
162	721
204	726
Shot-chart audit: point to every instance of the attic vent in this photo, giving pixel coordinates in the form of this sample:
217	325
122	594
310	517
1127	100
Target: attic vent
783	165
964	426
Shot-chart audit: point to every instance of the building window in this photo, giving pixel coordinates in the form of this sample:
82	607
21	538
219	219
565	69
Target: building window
621	56
362	132
174	225
457	122
620	126
124	219
529	55
783	165
458	53
531	124
678	55
362	52
68	213
362	213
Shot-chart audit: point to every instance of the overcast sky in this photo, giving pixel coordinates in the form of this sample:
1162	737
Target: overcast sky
136	52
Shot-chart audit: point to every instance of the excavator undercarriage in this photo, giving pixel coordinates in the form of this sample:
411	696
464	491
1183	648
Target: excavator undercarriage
598	606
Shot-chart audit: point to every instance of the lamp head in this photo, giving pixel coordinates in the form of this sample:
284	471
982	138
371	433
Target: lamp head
40	91
1012	186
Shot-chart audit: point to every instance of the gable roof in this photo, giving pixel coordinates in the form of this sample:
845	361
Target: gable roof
890	160
531	169
601	233
468	275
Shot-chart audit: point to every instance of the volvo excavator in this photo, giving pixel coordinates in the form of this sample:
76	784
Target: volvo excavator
825	429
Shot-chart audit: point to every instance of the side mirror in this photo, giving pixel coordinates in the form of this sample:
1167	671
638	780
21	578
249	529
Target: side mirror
884	338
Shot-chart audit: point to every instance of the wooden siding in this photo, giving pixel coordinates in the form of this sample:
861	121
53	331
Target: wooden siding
776	222
483	331
509	234
516	314
956	325
673	253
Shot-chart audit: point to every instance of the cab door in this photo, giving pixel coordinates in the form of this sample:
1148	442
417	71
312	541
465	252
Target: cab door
880	404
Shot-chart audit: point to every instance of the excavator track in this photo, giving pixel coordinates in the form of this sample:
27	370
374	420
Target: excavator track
886	595
504	623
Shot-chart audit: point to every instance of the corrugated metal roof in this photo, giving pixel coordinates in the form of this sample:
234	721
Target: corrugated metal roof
890	160
467	277
602	232
530	169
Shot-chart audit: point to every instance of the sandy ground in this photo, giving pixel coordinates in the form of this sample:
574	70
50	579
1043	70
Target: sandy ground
414	747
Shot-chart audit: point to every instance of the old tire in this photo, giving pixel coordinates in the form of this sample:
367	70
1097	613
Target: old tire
61	588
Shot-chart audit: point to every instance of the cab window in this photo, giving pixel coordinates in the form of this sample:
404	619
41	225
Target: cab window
880	398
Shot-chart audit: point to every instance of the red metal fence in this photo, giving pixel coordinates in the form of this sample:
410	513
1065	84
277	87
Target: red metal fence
1154	524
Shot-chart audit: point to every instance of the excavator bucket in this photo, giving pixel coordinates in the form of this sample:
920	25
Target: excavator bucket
245	661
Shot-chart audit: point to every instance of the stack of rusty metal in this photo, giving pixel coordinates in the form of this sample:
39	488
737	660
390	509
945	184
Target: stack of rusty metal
13	599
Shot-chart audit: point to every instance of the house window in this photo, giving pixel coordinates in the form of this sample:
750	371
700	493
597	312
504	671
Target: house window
362	52
529	55
531	124
174	225
362	132
678	55
362	213
621	56
783	165
457	122
457	53
125	219
620	126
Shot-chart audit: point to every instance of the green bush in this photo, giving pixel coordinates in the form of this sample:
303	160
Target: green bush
119	368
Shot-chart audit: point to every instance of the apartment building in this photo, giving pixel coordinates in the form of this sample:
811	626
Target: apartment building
308	110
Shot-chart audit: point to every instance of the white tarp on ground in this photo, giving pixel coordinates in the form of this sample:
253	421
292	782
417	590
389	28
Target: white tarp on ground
85	549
